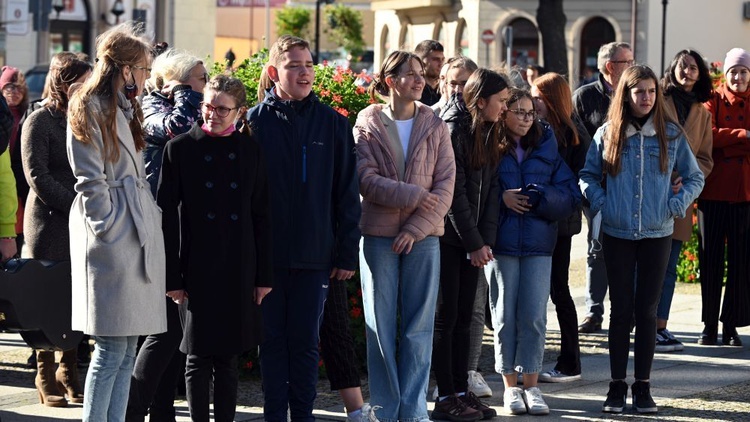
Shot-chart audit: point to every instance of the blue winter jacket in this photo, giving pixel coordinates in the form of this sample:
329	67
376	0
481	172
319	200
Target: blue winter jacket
163	119
638	202
312	172
535	232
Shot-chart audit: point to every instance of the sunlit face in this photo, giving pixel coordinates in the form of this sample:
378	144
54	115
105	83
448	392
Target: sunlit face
198	77
519	117
138	73
294	74
492	108
13	93
432	64
409	82
737	78
456	79
641	98
219	110
686	72
621	60
541	107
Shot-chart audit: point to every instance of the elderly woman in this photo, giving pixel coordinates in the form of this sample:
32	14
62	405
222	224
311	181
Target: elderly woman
170	108
724	206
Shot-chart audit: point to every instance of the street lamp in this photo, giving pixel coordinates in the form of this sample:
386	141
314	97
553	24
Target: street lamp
59	6
663	31
317	27
118	9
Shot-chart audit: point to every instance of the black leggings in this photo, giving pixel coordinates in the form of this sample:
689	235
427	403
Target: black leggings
644	261
455	306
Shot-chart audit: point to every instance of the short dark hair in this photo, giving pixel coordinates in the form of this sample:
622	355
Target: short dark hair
426	47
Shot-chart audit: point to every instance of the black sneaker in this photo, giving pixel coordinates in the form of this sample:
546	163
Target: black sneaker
471	400
642	400
618	392
453	409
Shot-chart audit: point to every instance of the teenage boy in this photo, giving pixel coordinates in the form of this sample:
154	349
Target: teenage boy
309	148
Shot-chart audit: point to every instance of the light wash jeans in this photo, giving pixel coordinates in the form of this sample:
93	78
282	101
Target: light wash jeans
108	380
519	290
399	295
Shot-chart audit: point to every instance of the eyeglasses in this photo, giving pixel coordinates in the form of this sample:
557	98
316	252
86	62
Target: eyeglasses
220	110
10	88
628	62
204	78
456	84
524	115
147	69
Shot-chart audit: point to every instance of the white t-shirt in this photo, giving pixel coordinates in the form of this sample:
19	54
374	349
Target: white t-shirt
404	133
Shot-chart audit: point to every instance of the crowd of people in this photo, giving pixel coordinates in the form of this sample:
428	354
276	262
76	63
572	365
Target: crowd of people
198	229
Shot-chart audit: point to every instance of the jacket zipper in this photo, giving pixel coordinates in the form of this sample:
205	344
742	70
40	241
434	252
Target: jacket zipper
304	163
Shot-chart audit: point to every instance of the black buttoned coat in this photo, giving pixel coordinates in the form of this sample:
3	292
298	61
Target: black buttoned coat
214	195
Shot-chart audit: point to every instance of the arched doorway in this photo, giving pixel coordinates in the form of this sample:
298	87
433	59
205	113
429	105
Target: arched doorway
70	30
525	43
595	33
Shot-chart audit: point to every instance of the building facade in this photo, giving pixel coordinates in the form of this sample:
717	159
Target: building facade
460	24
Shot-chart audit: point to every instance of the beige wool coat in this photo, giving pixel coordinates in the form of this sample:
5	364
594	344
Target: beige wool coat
698	131
116	241
391	187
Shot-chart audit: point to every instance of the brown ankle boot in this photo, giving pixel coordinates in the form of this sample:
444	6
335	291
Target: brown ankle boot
45	381
67	376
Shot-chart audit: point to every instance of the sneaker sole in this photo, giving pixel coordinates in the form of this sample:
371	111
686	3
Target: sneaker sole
482	394
539	412
440	416
665	349
612	409
518	411
567	378
647	409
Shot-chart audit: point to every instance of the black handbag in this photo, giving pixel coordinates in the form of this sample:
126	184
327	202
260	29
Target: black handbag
35	301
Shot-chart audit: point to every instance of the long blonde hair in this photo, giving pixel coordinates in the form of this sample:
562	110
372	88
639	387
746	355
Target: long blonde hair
619	117
116	48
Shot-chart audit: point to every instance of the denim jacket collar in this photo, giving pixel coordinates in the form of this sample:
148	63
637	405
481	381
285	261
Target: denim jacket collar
647	130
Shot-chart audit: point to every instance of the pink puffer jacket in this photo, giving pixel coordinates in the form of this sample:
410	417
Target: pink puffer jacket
391	189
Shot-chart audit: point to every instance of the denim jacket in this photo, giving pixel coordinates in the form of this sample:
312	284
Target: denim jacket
638	202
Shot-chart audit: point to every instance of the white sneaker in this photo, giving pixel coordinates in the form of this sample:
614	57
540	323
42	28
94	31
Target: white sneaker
535	401
553	375
513	401
367	414
478	385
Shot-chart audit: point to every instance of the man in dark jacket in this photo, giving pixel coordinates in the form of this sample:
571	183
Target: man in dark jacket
431	53
592	103
315	205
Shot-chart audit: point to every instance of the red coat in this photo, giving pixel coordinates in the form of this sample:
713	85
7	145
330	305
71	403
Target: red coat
730	118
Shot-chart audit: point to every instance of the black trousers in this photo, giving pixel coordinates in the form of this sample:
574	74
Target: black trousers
158	367
569	361
199	371
721	223
455	306
644	261
336	342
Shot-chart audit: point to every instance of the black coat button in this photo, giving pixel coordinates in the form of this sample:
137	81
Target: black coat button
209	185
208	158
233	185
234	217
232	156
211	216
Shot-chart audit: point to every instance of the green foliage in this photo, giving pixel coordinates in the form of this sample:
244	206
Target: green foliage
688	270
336	87
345	28
293	20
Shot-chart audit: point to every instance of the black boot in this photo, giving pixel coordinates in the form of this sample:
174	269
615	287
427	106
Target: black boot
709	335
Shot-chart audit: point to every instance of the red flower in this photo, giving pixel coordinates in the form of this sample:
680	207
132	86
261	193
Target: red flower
361	90
325	92
320	363
337	98
342	111
353	300
249	364
356	312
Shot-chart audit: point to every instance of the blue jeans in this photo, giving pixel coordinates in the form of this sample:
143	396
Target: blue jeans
596	273
108	379
670	278
519	290
399	294
292	314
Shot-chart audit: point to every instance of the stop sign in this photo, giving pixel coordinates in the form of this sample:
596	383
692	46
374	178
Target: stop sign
488	36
